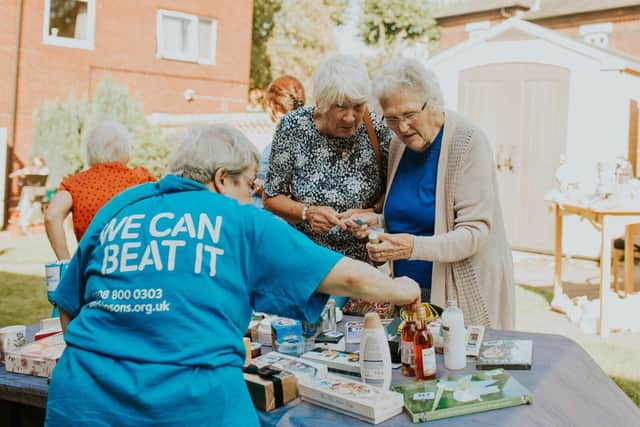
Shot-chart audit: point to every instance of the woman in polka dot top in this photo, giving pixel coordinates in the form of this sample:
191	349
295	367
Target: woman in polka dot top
83	194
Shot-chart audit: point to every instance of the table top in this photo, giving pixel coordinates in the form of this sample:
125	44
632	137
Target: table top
568	389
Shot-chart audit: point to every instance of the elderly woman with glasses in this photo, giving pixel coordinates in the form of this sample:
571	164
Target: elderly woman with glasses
442	213
328	161
157	298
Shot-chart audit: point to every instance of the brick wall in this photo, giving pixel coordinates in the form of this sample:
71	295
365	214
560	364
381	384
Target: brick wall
124	47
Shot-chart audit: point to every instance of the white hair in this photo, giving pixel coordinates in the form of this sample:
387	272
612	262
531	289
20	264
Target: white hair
108	142
409	75
340	77
206	149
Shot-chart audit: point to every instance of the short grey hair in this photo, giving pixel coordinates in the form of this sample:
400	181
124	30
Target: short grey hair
409	74
205	149
340	77
108	142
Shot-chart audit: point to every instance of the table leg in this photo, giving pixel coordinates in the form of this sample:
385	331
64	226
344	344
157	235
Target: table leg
605	277
557	278
628	261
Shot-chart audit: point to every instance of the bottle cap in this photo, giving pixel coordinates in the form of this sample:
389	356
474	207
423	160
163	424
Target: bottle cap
374	238
372	321
421	313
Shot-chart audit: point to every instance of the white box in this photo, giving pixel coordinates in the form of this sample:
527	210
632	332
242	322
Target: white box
38	358
335	359
351	397
302	369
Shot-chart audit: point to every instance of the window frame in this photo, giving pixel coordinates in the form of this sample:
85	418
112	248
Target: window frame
87	44
193	34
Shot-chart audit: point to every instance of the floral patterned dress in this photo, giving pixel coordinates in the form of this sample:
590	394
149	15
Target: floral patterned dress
320	170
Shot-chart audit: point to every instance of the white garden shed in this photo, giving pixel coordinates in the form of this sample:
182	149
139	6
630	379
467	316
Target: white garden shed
539	94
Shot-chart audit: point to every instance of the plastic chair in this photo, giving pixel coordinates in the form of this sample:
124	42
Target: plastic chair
629	252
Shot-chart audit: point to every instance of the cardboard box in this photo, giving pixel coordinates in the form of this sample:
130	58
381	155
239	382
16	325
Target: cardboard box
38	358
270	392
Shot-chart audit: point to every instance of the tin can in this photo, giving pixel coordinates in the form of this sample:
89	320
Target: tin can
53	273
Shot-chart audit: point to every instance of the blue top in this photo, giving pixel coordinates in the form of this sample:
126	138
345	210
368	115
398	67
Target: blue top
411	205
164	282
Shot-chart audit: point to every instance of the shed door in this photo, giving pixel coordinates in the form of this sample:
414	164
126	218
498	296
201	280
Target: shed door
523	109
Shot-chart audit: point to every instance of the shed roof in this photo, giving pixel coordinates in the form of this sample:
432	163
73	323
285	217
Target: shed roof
609	58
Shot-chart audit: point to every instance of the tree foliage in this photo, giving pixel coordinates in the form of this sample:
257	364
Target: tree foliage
392	25
60	131
302	37
263	12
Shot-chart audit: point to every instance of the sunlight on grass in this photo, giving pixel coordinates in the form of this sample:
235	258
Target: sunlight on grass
24	299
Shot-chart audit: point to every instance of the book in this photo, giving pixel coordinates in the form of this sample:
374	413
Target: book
475	335
302	369
507	354
351	397
335	359
462	394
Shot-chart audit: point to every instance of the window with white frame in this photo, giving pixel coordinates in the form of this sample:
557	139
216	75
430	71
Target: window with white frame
597	34
69	23
186	37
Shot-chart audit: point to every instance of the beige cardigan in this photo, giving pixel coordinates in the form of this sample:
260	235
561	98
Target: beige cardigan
469	248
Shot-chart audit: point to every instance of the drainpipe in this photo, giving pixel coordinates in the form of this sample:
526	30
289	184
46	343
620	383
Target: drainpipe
14	118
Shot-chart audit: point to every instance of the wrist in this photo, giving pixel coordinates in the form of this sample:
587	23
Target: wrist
380	220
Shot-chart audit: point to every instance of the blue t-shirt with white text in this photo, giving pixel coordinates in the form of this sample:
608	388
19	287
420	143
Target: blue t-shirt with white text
167	276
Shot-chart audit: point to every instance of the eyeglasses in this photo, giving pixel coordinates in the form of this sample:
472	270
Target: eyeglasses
394	122
251	182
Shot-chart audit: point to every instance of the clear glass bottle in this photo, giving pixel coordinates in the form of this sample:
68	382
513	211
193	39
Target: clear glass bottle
424	349
406	346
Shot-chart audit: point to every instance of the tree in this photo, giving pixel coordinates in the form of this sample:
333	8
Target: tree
389	25
60	131
302	37
263	12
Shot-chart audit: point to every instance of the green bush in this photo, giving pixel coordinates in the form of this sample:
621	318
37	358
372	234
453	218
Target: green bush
60	131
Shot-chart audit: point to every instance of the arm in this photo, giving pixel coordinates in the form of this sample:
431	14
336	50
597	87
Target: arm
65	318
358	279
284	207
473	206
58	210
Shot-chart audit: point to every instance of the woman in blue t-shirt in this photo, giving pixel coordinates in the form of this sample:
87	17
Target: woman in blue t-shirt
159	294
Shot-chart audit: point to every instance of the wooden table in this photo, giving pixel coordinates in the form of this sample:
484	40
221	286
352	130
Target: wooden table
599	218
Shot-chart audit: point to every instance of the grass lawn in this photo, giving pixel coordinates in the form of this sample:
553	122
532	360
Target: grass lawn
23	299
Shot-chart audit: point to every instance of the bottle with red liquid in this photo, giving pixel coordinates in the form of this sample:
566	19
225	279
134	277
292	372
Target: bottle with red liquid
424	349
406	346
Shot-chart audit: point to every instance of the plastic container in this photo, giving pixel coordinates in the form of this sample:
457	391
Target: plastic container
375	358
454	336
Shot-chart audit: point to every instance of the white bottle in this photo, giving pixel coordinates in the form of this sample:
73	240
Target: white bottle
455	336
375	357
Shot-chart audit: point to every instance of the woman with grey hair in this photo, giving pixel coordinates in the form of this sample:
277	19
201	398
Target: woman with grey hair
442	211
156	300
107	153
328	161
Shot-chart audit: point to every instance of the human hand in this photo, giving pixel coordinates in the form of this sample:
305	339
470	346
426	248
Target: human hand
323	218
391	247
411	297
358	223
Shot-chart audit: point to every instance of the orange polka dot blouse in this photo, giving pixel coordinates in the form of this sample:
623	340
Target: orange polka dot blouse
93	188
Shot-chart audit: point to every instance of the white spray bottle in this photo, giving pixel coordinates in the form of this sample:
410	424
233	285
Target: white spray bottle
375	357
